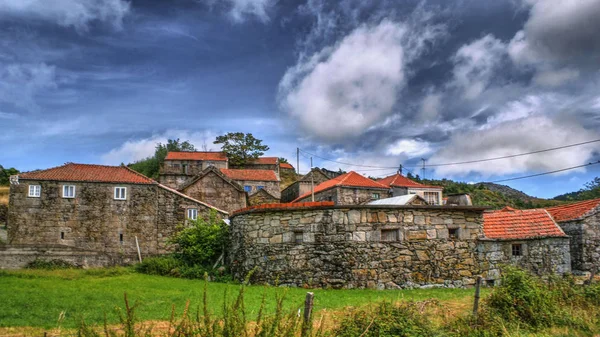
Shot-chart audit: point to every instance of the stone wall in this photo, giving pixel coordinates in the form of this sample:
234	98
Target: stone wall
216	191
539	255
358	246
261	197
271	186
348	195
585	242
174	181
94	221
292	192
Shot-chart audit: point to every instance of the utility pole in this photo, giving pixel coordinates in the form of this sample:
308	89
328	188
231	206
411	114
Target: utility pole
423	169
298	160
400	169
312	181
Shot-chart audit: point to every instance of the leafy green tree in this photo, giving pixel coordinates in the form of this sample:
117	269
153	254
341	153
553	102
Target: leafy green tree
150	166
283	160
5	174
203	242
241	147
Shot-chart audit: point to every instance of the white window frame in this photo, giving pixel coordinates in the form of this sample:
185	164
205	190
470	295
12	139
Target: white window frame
67	195
192	213
35	191
117	194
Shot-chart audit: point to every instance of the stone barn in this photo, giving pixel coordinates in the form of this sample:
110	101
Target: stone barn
347	189
262	197
529	239
179	167
400	185
95	209
254	180
581	221
217	189
303	185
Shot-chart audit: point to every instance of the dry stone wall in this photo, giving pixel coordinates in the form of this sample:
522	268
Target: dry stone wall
585	242
358	246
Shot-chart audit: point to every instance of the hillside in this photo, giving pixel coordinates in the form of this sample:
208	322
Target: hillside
591	190
492	195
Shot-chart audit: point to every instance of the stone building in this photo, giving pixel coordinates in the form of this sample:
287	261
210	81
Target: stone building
254	180
179	167
261	197
529	239
347	189
217	189
95	209
402	200
357	246
286	168
303	185
400	185
581	221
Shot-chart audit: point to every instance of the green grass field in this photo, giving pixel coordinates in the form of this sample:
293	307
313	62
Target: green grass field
36	298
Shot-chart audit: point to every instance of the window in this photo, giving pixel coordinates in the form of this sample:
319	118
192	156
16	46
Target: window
62	235
35	190
298	237
389	235
121	238
120	193
260	187
192	213
517	250
453	233
431	198
375	196
68	191
175	166
248	188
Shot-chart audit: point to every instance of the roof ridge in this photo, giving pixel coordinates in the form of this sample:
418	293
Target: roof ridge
139	174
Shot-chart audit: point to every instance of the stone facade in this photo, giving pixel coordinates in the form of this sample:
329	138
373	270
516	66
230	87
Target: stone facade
261	197
539	255
358	246
253	186
94	221
585	242
303	185
342	195
217	190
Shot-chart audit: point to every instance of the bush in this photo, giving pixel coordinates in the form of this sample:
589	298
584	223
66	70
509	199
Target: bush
161	265
386	320
50	264
171	266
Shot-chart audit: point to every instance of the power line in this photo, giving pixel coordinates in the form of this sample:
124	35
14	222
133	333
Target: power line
550	172
515	155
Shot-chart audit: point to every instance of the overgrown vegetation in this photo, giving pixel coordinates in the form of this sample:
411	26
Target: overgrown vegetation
5	174
198	249
53	264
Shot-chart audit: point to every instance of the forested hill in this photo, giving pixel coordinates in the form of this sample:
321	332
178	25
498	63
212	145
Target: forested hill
591	190
492	195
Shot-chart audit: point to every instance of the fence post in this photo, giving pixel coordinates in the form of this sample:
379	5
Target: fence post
308	307
477	290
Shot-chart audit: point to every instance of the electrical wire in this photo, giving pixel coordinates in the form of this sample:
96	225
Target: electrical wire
545	173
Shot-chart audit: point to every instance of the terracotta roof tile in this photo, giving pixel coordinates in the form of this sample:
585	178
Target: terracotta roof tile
350	179
399	180
89	173
573	211
286	166
257	175
213	156
510	223
265	161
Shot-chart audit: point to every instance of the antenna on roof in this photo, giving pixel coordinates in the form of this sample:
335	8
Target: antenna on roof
400	169
423	169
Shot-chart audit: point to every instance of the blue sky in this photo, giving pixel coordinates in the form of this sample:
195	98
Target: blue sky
371	83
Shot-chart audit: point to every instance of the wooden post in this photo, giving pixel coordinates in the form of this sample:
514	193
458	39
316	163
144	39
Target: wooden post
308	307
477	290
591	279
137	244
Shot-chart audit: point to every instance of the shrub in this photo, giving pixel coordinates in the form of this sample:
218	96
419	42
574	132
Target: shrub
161	265
50	264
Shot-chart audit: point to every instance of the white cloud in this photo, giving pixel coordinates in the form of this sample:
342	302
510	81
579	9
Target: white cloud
409	148
513	137
475	64
133	150
20	83
553	78
69	13
430	107
345	89
258	8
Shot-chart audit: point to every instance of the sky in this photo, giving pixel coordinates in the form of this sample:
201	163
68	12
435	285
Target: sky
374	84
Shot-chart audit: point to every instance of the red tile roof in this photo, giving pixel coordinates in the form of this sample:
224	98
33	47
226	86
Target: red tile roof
214	156
399	180
265	161
286	166
286	206
89	173
350	179
257	175
573	211
510	223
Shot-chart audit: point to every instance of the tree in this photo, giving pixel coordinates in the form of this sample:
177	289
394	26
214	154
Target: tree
150	166
241	147
283	160
5	175
409	175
